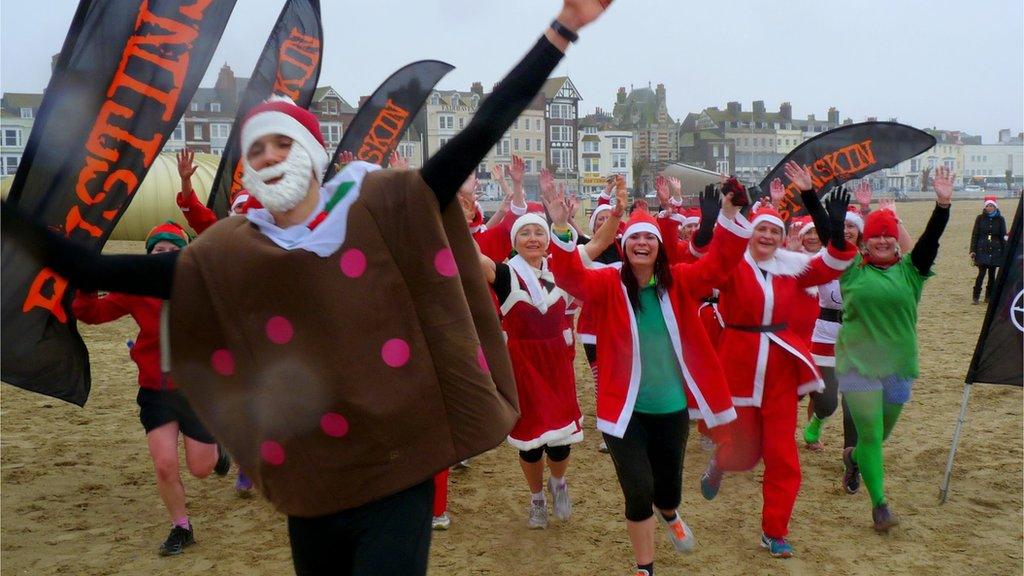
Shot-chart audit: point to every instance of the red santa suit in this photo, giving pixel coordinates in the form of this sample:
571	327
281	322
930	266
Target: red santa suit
707	394
539	335
767	365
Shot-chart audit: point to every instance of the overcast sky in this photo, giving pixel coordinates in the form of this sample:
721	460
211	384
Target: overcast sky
946	63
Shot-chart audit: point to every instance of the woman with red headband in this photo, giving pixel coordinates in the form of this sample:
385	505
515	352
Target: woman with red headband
876	352
656	365
768	365
164	412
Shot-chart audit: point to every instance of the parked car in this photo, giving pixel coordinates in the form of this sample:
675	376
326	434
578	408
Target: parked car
972	188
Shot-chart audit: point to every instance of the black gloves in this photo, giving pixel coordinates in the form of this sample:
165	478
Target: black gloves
837	203
710	205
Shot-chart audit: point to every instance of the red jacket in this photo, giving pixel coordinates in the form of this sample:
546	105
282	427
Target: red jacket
198	215
496	243
750	298
93	309
707	394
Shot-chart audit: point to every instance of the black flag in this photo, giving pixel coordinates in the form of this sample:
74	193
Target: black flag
289	66
125	75
846	153
998	358
383	119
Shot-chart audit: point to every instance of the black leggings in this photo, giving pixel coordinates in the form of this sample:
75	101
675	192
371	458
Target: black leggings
826	401
649	462
849	429
591	351
389	536
982	270
555	453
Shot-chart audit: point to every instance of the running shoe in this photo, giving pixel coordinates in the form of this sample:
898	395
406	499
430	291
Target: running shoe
177	541
602	447
442	522
641	572
243	485
463	464
884	518
777	547
223	461
679	534
812	434
538	519
560	497
851	474
711	481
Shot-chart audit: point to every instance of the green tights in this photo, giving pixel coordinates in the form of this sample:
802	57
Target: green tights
874	419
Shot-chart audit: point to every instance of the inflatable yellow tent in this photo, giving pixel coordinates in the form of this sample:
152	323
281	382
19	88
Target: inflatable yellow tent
154	200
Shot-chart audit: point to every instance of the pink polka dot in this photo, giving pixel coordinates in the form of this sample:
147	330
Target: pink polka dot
444	263
272	452
223	362
482	360
395	352
353	263
334	424
280	330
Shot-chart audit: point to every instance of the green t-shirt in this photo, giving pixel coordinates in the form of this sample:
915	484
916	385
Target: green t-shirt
879	333
661	380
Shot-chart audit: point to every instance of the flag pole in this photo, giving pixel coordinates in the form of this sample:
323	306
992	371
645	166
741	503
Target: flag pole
944	490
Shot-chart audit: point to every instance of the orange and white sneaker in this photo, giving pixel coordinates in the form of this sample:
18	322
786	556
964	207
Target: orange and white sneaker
679	534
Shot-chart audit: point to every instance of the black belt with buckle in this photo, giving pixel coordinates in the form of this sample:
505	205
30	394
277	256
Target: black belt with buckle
831	315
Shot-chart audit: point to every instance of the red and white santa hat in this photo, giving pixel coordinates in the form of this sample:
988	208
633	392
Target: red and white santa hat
991	200
529	218
686	216
641	221
767	214
881	223
280	115
240	200
853	216
806	224
593	217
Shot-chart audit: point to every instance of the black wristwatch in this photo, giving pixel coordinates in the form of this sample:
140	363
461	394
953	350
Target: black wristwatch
564	32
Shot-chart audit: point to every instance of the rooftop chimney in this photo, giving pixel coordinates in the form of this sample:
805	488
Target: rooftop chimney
734	108
477	88
226	87
759	108
833	115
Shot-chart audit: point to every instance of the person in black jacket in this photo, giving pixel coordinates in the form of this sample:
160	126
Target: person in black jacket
988	240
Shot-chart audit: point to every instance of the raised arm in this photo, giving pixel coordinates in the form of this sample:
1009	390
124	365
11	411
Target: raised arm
91	308
927	248
724	253
445	171
605	235
144	275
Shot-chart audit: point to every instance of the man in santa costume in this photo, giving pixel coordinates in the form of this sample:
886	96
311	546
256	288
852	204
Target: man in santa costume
768	365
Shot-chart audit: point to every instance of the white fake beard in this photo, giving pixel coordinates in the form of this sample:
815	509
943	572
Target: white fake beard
296	172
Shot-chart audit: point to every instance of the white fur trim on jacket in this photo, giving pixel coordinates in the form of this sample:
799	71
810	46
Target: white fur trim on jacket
738	226
517	209
786	263
835	263
567	246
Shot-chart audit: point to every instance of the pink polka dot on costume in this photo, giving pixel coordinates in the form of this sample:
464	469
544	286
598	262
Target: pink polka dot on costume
482	360
444	263
395	352
223	362
279	330
272	452
334	424
353	263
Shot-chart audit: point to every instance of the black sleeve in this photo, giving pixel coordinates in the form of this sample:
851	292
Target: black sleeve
445	171
143	275
927	247
974	235
818	215
582	240
502	281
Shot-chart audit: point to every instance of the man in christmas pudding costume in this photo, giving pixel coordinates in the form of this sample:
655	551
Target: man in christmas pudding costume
340	342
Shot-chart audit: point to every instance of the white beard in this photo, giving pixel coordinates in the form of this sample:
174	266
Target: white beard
296	172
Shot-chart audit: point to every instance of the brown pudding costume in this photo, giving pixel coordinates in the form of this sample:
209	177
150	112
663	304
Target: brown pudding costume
343	378
376	381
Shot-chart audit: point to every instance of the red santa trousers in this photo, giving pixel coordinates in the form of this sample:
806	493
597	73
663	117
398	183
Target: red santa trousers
768	432
441	492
